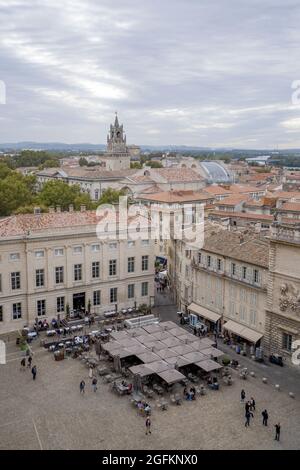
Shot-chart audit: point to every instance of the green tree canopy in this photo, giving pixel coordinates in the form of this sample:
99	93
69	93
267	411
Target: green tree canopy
14	193
58	193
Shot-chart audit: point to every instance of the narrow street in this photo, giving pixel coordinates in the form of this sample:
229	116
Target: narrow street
288	377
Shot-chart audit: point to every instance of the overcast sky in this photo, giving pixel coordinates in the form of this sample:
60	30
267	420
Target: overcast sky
194	72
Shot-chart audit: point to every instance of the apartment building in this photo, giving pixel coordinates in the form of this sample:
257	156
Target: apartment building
51	261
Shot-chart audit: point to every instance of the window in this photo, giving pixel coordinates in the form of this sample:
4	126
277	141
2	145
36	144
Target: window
144	290
208	261
130	264
113	246
113	294
287	340
58	252
219	264
253	317
113	267
95	248
41	307
17	311
77	272
39	254
97	297
130	291
59	274
130	243
145	242
244	272
0	282
95	269
233	269
77	250
60	304
39	277
1	313
145	262
255	276
15	280
14	256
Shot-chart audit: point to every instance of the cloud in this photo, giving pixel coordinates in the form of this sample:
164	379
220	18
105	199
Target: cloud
172	69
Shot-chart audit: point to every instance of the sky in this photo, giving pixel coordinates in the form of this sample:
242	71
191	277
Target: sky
211	73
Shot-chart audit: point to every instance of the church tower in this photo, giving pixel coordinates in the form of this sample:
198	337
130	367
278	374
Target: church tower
117	156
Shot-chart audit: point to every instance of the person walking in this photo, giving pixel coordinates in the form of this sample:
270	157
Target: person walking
23	364
247	406
243	396
265	418
29	361
248	415
34	372
252	404
277	431
148	425
94	384
82	386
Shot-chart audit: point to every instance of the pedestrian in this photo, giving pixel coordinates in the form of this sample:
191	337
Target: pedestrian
277	431
29	361
148	425
82	386
94	384
23	364
34	372
243	395
265	418
252	404
195	330
247	406
248	415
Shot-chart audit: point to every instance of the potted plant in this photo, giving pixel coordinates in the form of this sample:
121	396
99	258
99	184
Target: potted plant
226	361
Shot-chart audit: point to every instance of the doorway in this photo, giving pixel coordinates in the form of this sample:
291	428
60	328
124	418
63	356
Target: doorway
79	301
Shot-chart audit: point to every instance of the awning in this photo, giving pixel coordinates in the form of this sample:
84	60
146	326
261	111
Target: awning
171	376
204	312
243	331
208	365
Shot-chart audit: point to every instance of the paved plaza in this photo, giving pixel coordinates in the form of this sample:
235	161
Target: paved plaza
50	413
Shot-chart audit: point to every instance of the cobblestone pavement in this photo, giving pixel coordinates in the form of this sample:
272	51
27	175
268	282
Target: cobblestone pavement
50	413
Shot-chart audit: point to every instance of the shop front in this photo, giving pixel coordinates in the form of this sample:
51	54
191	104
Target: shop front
244	338
199	314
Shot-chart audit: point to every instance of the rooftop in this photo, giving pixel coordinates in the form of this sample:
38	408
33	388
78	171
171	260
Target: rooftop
246	247
176	196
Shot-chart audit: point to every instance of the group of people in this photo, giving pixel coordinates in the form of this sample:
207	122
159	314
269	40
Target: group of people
250	408
189	394
29	362
94	386
144	408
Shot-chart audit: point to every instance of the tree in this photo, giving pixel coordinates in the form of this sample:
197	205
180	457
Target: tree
14	193
136	165
83	161
154	164
58	193
4	170
111	196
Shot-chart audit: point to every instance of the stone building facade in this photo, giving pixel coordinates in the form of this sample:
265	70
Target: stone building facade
49	261
283	301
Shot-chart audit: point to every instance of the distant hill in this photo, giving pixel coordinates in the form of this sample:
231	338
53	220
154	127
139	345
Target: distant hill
86	147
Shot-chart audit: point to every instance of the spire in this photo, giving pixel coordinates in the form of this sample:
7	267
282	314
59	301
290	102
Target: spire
116	120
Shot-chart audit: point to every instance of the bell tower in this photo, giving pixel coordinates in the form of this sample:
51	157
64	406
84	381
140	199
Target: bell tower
117	154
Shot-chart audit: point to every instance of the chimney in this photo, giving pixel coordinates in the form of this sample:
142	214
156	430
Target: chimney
58	209
37	211
71	208
82	208
51	210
